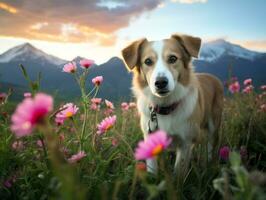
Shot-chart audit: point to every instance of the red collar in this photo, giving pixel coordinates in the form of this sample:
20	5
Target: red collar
165	110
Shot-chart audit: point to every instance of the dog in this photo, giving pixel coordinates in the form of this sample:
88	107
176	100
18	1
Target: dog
171	96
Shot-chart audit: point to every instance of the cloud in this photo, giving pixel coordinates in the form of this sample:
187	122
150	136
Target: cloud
190	1
257	45
68	20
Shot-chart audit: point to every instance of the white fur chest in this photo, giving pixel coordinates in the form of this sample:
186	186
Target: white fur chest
176	123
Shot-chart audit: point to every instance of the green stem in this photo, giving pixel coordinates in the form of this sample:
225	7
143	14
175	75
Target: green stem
44	151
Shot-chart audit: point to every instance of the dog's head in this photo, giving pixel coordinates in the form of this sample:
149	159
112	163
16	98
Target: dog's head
161	64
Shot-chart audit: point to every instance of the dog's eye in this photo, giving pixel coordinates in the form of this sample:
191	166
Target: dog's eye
148	62
172	59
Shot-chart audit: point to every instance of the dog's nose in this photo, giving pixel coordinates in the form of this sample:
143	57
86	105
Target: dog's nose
161	83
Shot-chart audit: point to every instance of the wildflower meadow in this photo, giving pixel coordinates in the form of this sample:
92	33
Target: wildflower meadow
94	149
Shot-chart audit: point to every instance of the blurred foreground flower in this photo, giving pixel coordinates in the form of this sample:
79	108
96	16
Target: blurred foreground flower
70	67
224	153
30	112
234	87
152	146
106	124
69	110
86	63
77	157
97	80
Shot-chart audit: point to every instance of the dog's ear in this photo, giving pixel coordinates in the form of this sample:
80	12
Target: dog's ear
131	53
191	44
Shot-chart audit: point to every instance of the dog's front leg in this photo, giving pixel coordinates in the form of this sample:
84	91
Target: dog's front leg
183	156
152	165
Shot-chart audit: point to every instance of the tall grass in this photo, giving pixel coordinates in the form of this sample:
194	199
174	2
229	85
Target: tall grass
109	170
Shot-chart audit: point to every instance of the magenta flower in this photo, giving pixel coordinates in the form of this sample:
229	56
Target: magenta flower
97	80
30	112
224	153
86	63
154	144
70	67
234	87
77	157
17	145
106	124
69	111
27	94
124	106
109	104
247	81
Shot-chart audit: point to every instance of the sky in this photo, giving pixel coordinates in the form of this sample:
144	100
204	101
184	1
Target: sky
100	29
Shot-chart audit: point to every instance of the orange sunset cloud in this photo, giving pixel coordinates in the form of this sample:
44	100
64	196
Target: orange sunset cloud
69	21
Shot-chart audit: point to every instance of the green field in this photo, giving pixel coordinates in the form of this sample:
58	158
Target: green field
40	169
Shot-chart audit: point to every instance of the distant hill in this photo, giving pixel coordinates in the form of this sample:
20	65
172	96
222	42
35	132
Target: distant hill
216	57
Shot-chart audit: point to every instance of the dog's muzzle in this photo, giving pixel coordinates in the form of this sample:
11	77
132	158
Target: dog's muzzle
161	85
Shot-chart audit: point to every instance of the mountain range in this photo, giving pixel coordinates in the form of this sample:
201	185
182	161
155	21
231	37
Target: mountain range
218	57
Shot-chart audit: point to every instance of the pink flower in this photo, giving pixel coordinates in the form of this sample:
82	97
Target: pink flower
86	63
29	113
247	81
154	144
132	105
61	137
248	89
96	101
124	106
18	145
224	153
234	87
106	124
3	97
39	143
263	107
94	107
97	80
114	142
70	67
263	87
109	104
27	94
69	111
59	121
77	157
108	112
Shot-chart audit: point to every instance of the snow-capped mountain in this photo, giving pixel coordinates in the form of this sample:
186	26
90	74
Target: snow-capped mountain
218	58
211	51
27	52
